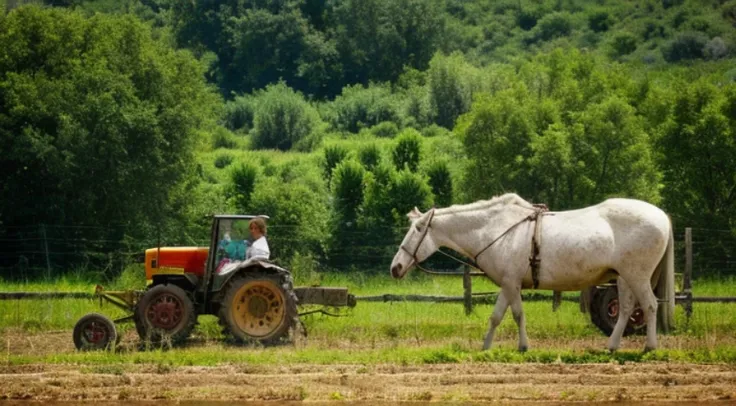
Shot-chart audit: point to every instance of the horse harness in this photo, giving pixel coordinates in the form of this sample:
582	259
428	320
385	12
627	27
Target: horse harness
534	261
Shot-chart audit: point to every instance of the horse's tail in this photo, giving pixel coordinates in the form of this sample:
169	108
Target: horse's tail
663	280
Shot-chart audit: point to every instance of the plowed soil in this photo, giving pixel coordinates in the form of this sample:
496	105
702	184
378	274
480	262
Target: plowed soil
650	383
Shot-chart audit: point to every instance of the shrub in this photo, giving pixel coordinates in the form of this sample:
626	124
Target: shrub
686	45
370	156
434	131
334	154
440	181
222	138
282	119
623	43
347	189
239	113
386	129
600	21
223	160
716	48
450	92
408	151
554	25
242	183
358	107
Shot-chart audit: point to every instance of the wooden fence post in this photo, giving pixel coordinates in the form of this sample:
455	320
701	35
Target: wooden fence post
687	282
468	290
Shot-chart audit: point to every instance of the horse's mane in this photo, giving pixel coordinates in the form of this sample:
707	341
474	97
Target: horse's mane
503	200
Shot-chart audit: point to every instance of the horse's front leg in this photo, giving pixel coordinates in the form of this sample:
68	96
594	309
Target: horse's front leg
498	312
514	298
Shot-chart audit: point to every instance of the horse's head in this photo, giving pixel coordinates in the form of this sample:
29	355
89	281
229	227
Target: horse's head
417	245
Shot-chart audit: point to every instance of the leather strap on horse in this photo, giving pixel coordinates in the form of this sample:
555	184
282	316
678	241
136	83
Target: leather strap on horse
536	237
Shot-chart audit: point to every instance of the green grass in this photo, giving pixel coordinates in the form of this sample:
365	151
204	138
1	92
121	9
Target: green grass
398	332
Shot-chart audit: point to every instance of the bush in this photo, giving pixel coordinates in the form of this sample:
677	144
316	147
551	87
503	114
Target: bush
358	107
408	151
223	160
334	154
386	129
434	131
553	26
242	184
239	113
440	180
715	49
282	119
222	138
687	45
600	21
623	43
370	156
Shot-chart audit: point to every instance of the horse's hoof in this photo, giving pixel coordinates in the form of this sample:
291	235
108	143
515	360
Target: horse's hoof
648	349
612	350
523	348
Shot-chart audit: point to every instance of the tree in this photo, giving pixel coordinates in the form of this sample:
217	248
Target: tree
98	120
408	150
697	147
450	93
283	119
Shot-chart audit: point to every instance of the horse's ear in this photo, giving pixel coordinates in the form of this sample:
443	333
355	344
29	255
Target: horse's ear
414	214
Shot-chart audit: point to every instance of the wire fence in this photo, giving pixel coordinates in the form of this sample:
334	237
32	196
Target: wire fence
50	250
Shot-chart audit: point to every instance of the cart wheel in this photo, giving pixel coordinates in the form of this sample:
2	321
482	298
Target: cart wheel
94	332
604	312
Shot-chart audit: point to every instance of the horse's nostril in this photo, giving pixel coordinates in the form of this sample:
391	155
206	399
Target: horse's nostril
395	270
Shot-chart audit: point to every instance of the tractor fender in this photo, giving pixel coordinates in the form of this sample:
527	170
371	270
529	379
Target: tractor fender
240	267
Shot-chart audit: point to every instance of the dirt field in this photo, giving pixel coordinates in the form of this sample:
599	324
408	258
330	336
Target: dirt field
651	383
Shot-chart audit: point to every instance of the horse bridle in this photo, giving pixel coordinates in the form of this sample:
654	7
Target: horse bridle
421	240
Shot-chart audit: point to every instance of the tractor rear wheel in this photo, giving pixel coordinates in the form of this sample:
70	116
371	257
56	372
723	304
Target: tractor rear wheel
95	332
604	309
165	314
259	308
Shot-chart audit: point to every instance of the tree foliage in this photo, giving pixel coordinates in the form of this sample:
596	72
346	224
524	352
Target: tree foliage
98	120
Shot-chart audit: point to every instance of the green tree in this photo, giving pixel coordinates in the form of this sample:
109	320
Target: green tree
697	147
497	134
242	183
440	180
450	93
347	193
283	119
98	120
408	150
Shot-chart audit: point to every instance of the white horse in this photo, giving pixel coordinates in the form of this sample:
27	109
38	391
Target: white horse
520	245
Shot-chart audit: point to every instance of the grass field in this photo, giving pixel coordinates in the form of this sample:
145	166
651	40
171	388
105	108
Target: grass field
398	332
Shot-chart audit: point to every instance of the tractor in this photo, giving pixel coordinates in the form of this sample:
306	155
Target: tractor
254	299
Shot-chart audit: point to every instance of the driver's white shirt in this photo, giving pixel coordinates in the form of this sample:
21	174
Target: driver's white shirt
259	248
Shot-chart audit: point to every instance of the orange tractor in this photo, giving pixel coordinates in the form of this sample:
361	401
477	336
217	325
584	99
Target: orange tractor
254	299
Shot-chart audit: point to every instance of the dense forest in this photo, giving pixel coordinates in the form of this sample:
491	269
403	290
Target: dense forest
125	124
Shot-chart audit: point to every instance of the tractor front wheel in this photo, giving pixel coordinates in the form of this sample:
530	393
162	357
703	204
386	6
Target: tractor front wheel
94	332
165	314
258	308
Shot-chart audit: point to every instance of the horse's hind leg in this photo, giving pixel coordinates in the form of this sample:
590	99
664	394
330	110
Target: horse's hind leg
626	304
648	302
498	311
